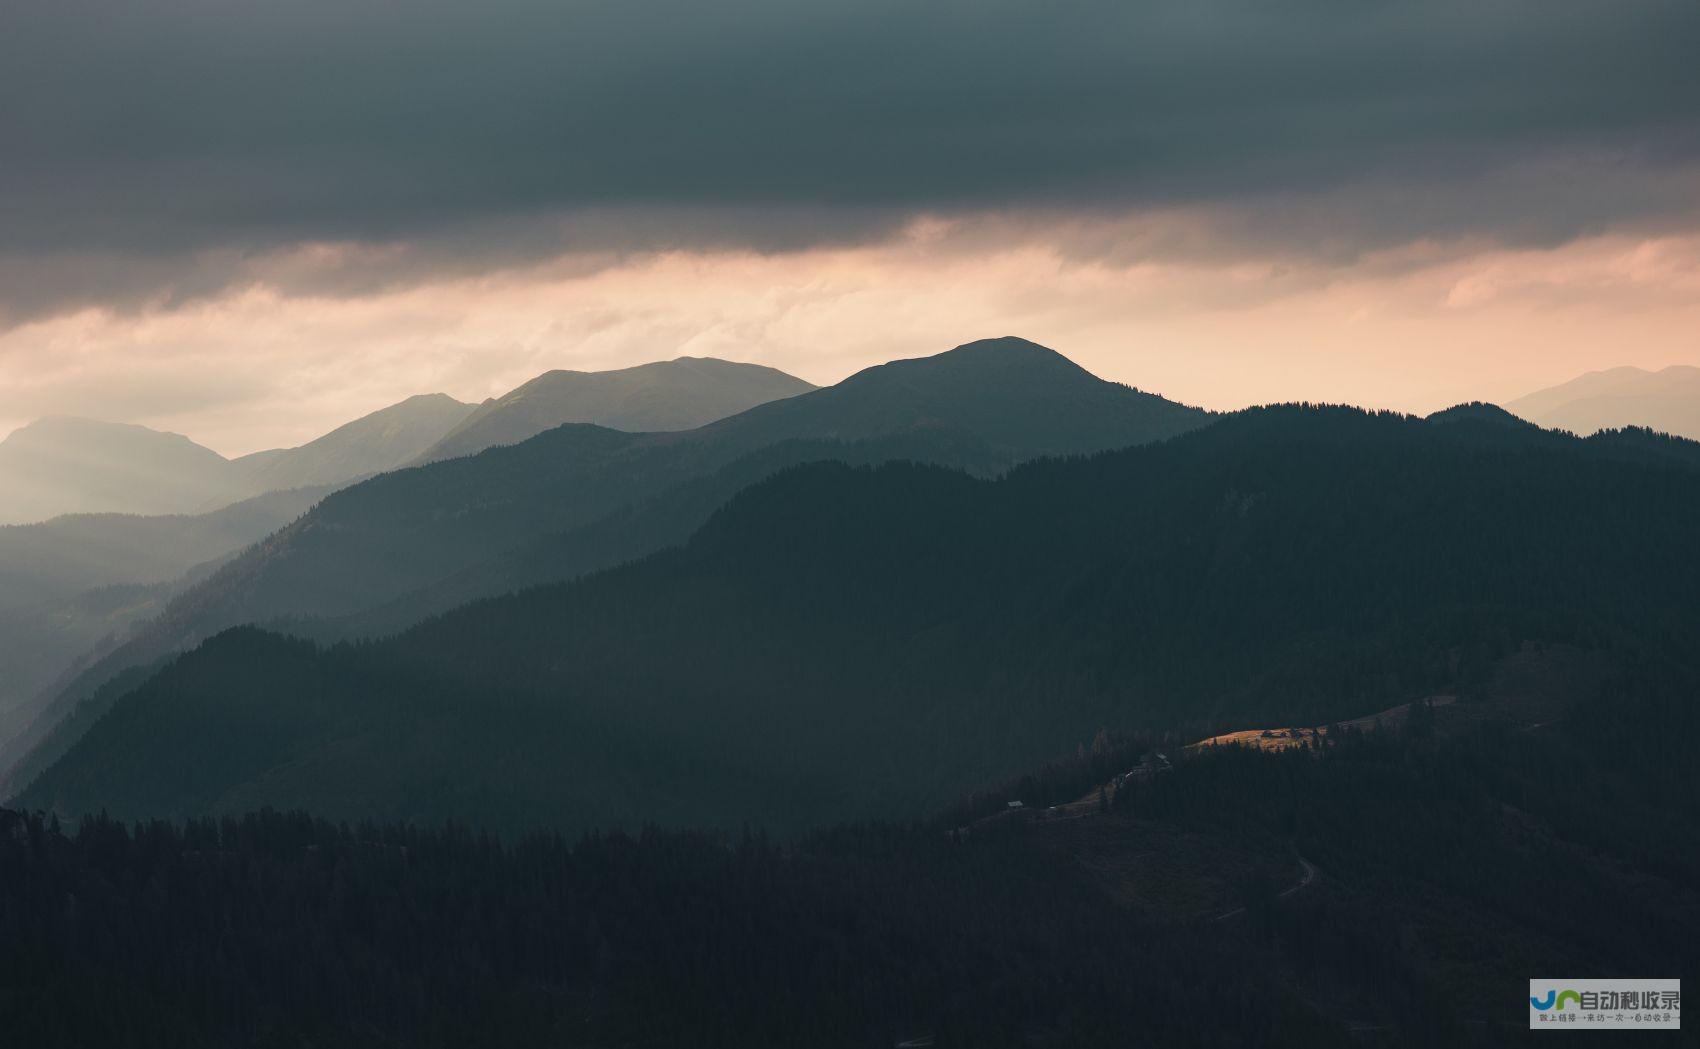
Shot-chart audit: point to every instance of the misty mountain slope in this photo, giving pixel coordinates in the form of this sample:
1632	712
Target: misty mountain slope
67	555
841	642
680	394
43	645
62	465
1667	401
405	531
77	586
383	440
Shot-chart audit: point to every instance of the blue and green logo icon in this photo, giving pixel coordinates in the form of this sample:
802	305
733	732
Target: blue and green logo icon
1555	1000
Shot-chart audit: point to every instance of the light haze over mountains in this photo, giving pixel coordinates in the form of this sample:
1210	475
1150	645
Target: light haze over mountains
125	518
1667	400
66	465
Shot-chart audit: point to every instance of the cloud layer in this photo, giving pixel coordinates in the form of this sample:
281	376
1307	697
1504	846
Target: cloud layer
252	220
1417	328
165	150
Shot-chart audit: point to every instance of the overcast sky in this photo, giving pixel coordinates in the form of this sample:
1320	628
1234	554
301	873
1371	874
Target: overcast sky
250	220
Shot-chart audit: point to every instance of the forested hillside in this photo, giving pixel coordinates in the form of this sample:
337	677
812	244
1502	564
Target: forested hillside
1397	886
847	642
643	527
274	930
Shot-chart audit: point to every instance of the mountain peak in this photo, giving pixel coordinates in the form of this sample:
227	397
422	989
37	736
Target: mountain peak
63	464
1006	345
1011	392
61	426
373	443
679	394
427	399
1478	411
1000	360
1004	351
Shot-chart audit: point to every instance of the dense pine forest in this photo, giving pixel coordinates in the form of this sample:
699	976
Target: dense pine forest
1453	855
274	929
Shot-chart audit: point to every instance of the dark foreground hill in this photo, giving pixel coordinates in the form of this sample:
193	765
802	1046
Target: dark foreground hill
277	930
1393	888
581	497
841	642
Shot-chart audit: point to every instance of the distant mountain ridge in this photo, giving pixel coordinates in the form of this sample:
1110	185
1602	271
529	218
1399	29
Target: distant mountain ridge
66	465
680	394
62	465
1667	401
384	440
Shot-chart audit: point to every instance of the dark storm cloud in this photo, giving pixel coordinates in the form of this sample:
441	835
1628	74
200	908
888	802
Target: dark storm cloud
149	147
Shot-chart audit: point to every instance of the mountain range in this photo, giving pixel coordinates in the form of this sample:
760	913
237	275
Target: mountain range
580	497
468	560
1666	400
74	587
844	642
